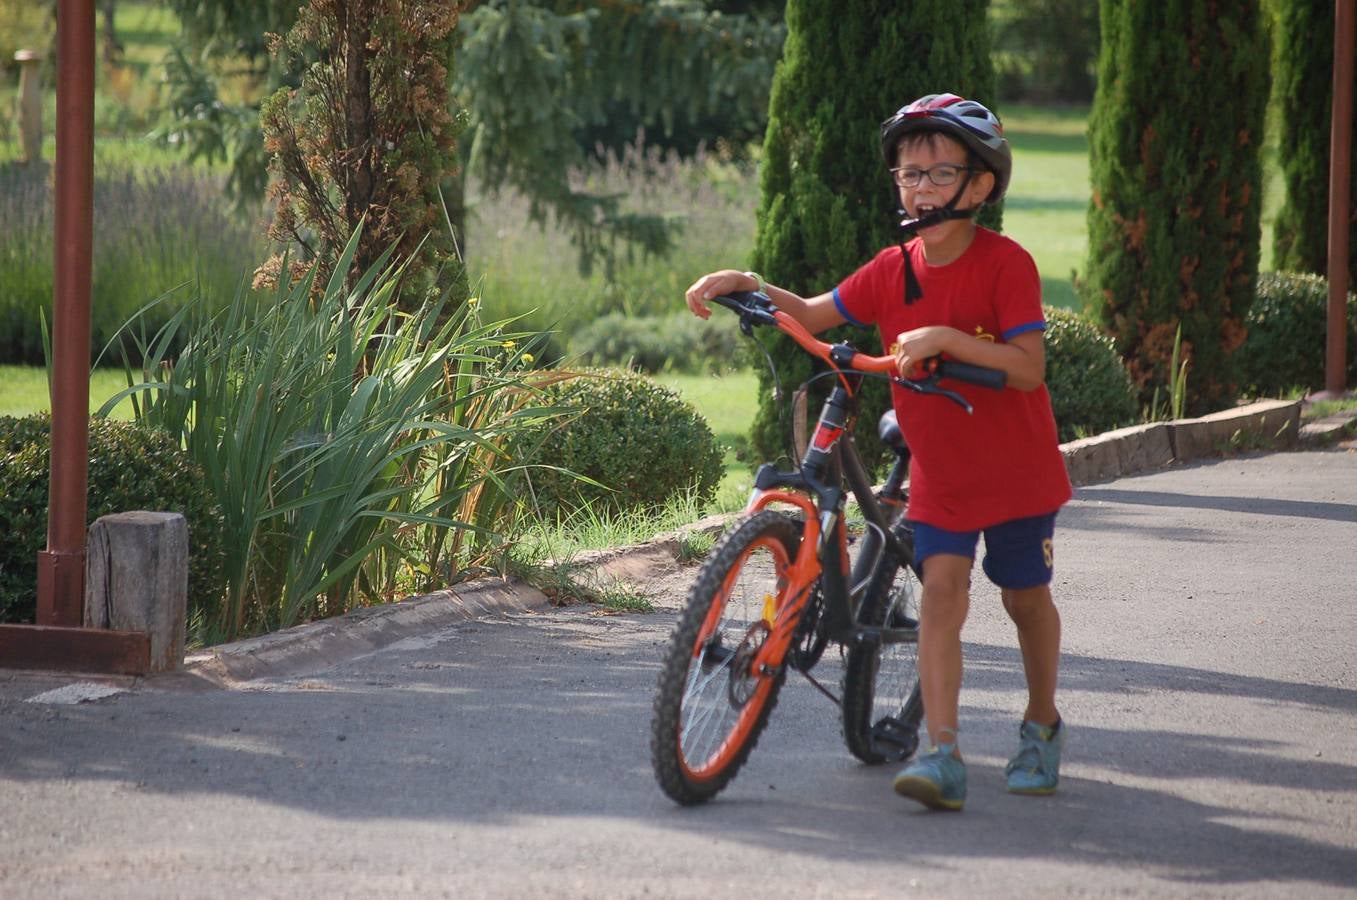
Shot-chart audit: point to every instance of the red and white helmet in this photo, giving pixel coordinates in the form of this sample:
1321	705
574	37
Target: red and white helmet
966	120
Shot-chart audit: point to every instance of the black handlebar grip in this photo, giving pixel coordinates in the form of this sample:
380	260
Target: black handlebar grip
979	375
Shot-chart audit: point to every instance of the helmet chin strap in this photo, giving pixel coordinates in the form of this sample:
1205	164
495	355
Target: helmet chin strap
938	216
913	291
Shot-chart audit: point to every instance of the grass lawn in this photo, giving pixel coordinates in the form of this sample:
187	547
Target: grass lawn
728	403
23	390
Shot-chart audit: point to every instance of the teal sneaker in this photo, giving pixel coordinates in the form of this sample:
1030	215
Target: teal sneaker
1036	767
937	779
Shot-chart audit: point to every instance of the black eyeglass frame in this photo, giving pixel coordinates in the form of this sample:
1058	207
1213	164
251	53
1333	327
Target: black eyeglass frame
897	172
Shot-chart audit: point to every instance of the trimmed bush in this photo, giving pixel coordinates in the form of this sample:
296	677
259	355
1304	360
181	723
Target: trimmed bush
641	440
1175	137
1303	94
1091	391
1288	325
680	342
130	467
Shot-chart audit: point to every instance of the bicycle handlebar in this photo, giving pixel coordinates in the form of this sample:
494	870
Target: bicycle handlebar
755	308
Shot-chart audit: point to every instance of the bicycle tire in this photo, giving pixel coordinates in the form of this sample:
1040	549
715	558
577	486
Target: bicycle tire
882	706
708	713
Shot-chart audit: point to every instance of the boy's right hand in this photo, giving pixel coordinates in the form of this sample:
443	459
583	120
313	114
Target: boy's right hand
726	281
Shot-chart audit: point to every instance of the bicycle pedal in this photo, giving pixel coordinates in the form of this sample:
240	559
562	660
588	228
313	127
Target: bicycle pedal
893	739
716	656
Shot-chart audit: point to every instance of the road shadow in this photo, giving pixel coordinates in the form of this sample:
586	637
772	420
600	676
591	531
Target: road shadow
1262	506
500	722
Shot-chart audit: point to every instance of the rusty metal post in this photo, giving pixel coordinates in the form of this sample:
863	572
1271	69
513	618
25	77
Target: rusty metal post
61	567
1340	200
30	104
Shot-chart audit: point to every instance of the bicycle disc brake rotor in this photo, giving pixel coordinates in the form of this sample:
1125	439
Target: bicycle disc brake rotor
743	680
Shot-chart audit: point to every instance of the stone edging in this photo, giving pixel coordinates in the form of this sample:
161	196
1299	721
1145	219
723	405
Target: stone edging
1144	447
317	645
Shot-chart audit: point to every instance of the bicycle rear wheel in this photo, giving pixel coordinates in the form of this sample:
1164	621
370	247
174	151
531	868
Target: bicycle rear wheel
710	706
882	707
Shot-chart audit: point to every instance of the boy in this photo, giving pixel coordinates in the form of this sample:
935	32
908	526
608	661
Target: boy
970	294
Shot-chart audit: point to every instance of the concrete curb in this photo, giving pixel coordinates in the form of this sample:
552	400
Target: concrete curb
1144	447
318	645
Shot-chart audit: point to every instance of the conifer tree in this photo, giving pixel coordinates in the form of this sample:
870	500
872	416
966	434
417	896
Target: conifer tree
826	200
1175	136
1304	93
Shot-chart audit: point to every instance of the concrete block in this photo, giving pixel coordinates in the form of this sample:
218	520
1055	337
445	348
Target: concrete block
136	579
1117	453
1270	423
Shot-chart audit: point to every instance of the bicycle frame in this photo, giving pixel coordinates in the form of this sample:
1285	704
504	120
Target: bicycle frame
815	489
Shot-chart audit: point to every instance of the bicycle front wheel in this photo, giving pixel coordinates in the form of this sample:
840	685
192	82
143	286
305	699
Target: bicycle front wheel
710	705
882	706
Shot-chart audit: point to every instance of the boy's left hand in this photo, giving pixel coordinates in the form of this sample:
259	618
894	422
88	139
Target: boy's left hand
915	346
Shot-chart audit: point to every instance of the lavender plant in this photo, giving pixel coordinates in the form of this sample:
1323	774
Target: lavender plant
156	232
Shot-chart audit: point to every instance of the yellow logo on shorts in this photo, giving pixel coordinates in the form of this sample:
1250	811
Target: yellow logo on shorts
1048	552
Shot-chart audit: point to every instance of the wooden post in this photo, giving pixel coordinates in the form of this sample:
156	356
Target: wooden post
136	579
30	104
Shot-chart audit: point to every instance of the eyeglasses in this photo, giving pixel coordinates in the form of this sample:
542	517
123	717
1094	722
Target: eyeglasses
942	175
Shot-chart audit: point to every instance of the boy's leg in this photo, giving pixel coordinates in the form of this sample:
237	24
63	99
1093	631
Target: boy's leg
1021	553
943	610
1038	623
937	779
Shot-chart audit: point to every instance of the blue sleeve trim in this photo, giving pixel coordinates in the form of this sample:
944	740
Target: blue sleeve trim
843	310
1011	333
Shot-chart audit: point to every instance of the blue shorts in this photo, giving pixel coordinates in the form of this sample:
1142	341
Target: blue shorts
1018	554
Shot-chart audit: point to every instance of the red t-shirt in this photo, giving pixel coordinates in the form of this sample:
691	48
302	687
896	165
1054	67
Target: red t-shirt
1003	462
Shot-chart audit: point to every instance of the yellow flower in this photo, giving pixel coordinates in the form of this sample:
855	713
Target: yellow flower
473	302
507	345
528	357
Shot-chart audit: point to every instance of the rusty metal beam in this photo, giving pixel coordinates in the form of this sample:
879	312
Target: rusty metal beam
61	567
75	650
1340	200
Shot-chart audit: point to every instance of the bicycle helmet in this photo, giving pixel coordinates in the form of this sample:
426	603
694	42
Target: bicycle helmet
966	120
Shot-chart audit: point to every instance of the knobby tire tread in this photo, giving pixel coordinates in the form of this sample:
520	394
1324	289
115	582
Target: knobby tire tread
667	717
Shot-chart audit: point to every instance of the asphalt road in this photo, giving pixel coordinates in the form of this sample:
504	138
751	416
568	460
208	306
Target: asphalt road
1208	683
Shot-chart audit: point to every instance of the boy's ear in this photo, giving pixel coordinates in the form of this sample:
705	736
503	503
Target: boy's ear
983	179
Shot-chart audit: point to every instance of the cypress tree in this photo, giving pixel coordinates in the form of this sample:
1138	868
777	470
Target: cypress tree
1175	136
1304	94
826	200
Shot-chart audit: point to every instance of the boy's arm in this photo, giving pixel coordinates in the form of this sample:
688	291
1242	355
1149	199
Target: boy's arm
1023	358
815	313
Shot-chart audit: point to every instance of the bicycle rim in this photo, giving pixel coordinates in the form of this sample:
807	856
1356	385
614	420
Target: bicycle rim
711	705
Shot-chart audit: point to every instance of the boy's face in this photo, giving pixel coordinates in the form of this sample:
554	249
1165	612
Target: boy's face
943	158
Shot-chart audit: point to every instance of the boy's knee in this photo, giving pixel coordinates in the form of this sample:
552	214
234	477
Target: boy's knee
1028	603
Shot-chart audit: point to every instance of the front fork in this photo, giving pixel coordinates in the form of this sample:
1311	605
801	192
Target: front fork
822	532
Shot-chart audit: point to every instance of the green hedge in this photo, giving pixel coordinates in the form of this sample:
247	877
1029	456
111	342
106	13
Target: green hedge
1091	390
1287	330
130	467
639	439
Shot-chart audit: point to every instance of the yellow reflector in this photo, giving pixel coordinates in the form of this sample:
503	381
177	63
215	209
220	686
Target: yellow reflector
769	608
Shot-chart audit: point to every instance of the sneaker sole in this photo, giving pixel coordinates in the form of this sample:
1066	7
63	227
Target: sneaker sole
926	792
1032	792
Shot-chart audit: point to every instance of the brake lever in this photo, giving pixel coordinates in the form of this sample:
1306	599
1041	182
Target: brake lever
758	311
929	385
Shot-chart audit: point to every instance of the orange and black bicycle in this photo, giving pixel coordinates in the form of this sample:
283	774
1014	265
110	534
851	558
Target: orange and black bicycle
781	585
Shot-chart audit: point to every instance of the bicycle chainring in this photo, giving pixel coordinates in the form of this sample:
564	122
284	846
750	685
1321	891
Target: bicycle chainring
812	633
